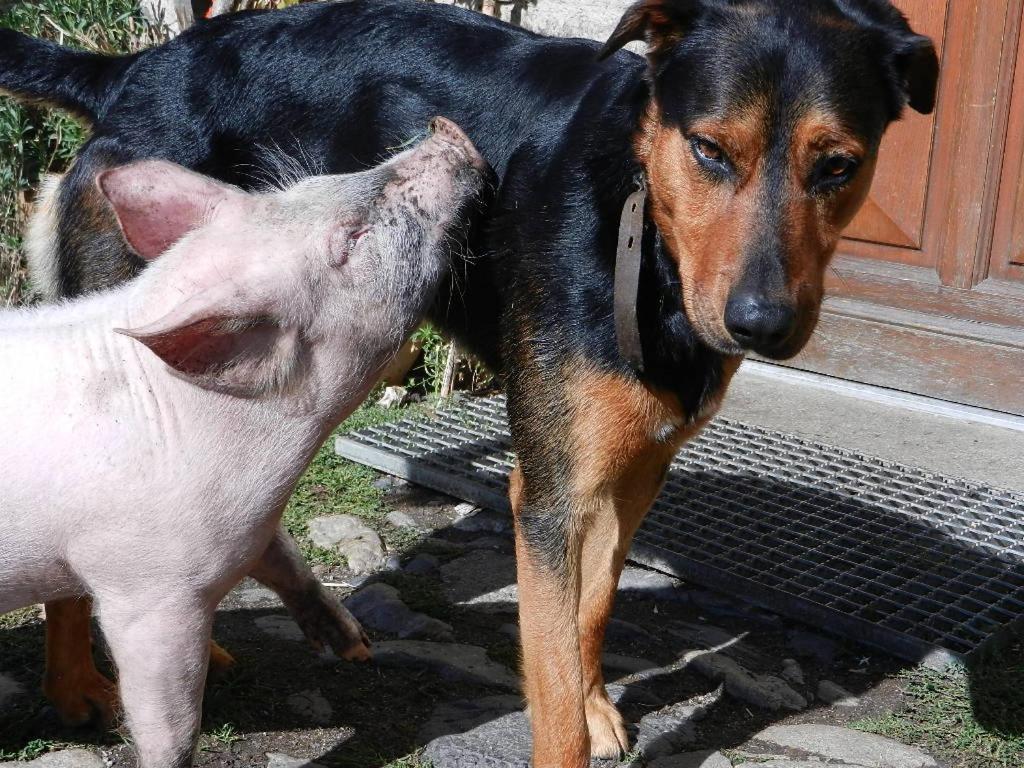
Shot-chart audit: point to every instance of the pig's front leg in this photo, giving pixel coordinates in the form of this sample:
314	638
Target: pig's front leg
322	618
160	644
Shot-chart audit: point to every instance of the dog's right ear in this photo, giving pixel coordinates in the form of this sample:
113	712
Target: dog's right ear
157	203
661	23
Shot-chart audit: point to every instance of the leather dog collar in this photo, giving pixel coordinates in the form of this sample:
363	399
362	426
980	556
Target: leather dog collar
628	256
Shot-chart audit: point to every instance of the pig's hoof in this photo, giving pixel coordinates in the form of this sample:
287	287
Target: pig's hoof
326	623
84	698
220	660
358	651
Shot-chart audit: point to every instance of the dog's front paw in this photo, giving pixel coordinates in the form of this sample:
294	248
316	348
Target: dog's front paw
608	736
81	697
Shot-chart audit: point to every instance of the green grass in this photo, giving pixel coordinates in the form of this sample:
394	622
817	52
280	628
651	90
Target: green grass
18	618
34	141
334	486
30	751
974	719
410	761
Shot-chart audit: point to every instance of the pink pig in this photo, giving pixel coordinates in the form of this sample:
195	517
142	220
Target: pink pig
193	398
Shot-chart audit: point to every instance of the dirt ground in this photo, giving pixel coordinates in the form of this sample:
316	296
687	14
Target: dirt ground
375	713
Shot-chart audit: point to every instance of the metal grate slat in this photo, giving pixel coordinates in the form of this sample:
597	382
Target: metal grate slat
923	566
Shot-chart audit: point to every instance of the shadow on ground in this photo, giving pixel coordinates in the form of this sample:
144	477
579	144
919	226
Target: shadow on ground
376	715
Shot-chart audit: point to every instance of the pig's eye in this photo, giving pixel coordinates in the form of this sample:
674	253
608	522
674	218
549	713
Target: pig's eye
343	243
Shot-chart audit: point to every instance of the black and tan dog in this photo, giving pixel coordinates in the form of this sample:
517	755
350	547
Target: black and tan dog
753	124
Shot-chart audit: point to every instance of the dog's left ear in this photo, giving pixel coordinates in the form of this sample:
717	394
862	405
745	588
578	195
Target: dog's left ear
661	23
917	65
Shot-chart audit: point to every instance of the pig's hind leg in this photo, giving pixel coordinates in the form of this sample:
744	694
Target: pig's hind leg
160	644
324	620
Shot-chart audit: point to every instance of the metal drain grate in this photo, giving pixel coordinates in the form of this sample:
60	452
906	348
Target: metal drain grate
926	567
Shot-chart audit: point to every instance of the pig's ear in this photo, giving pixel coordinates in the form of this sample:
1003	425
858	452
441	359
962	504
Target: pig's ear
157	203
240	355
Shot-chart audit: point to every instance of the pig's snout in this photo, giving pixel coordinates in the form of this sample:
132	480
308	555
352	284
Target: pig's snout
443	129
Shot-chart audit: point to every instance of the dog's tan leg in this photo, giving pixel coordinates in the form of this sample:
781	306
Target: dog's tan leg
72	683
548	601
77	690
593	449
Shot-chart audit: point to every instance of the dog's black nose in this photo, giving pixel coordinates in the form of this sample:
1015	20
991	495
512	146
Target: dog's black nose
758	322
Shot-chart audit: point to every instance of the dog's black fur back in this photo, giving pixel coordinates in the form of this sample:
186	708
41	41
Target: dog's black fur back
342	86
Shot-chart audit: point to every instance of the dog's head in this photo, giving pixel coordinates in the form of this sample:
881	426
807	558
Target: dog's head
759	144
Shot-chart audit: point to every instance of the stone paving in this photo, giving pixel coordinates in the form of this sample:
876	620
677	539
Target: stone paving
705	681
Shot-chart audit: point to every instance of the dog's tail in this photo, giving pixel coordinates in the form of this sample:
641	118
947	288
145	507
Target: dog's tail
34	70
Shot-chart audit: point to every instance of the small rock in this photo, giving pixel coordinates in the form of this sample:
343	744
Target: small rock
452	661
503	742
493	543
401	519
484	580
311	706
281	627
836	695
694	760
281	760
331	530
441	546
483	521
9	690
389	483
762	691
351	538
651	585
379	607
422	565
792	672
627	664
671	728
500	742
462	716
393	397
392	563
628	633
723	606
66	758
841	745
363	556
464	510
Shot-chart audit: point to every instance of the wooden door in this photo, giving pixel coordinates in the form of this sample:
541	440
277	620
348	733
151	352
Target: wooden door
927	294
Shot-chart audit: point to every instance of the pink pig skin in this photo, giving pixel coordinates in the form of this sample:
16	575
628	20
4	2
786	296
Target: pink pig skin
149	466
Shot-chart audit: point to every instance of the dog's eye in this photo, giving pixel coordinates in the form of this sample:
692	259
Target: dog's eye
834	171
707	151
838	166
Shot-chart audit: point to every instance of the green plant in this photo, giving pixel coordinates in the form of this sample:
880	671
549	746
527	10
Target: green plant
225	735
975	718
35	141
435	356
30	751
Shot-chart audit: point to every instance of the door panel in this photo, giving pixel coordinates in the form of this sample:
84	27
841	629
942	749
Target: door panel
1007	262
927	290
894	212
